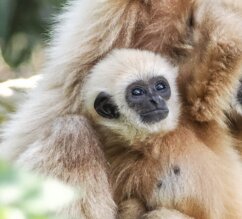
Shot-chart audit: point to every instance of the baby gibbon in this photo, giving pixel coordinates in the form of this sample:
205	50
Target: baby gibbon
50	133
165	162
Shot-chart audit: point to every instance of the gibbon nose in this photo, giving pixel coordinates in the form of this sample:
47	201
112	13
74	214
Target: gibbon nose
157	101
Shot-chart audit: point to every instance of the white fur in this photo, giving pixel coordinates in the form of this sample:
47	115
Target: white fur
113	75
74	47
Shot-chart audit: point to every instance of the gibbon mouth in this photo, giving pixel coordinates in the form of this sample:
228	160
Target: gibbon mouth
154	116
155	111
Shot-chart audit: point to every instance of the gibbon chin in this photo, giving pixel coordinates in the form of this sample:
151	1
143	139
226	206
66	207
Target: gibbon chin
164	162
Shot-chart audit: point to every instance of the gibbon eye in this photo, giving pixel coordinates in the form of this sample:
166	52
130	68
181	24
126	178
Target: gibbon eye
160	86
138	91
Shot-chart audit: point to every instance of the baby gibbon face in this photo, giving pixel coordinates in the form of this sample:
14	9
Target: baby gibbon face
146	98
133	92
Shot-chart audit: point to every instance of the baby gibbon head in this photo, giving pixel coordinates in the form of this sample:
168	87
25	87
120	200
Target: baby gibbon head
133	92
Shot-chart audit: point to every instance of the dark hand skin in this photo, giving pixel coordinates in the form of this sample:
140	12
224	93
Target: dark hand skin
146	98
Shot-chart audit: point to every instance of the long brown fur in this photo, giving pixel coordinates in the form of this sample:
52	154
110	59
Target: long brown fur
198	174
47	123
195	168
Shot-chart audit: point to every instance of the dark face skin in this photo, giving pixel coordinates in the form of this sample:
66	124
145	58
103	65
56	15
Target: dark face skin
147	99
239	94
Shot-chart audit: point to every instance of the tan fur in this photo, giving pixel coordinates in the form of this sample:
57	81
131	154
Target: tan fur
86	32
209	178
193	169
59	153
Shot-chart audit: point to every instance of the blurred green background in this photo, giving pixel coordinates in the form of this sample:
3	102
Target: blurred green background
23	26
24	31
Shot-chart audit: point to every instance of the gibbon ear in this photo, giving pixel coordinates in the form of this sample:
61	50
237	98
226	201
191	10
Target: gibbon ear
105	106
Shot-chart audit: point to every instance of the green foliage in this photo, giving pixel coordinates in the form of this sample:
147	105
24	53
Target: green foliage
23	24
24	196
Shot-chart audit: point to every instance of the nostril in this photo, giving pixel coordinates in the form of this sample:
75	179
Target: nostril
153	101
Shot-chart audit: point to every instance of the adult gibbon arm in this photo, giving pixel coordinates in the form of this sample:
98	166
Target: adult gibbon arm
134	209
215	69
70	149
69	152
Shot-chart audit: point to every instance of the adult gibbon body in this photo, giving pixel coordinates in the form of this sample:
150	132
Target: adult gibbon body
50	135
163	159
